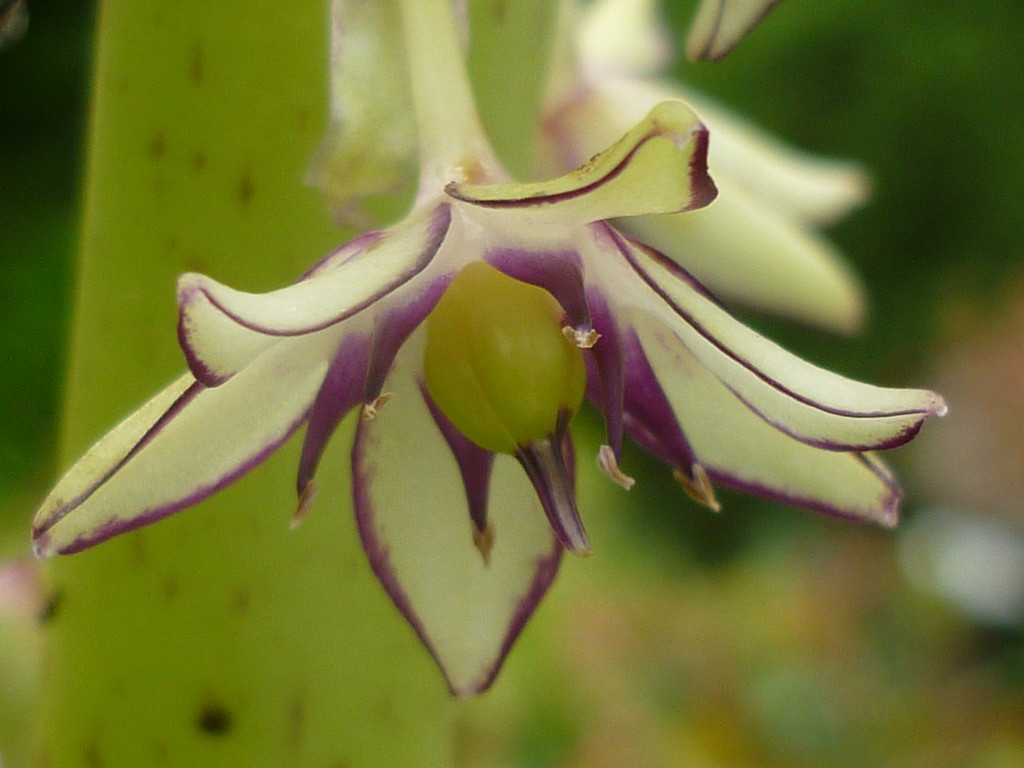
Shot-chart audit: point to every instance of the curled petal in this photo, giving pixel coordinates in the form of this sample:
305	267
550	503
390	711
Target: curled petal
179	448
660	166
736	449
222	329
721	24
468	608
807	402
745	253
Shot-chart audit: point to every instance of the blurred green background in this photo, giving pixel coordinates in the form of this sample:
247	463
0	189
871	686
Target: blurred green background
761	636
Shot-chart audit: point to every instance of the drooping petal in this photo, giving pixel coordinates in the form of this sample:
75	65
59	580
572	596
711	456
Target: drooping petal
721	24
182	446
418	532
745	253
807	402
736	449
222	329
660	166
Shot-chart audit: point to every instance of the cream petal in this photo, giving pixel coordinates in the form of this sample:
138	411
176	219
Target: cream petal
738	450
807	402
624	36
720	24
467	601
221	329
745	253
659	166
179	448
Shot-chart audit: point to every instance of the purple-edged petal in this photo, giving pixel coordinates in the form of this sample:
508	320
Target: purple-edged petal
721	24
807	402
222	329
179	448
738	450
660	166
418	532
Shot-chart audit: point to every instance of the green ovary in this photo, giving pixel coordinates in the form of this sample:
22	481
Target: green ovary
497	363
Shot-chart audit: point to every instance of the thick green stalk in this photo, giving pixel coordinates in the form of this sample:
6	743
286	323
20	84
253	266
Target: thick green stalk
509	55
217	637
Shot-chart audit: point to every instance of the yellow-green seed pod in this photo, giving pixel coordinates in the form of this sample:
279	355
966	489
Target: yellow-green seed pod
497	363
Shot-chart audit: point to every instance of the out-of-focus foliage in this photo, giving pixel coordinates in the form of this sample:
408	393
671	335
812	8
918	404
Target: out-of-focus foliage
43	81
760	636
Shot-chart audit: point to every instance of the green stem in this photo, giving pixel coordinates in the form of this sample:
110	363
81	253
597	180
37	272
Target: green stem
451	139
216	637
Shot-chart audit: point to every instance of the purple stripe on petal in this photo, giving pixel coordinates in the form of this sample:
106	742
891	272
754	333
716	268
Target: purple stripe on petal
341	391
344	253
703	188
901	438
547	569
203	373
889	508
560	273
474	462
157	427
437	230
606	382
393	327
649	418
147	516
626	250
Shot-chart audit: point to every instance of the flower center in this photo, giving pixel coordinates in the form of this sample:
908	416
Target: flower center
497	363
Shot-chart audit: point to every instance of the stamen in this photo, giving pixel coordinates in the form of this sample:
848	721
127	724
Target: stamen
582	339
370	410
698	487
608	464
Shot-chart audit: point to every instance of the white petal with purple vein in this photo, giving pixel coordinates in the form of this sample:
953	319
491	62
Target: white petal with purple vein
739	450
416	527
810	403
222	327
658	166
720	24
211	440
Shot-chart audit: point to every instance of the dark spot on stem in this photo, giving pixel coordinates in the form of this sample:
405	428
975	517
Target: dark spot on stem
246	188
198	160
52	606
214	720
296	721
157	145
197	64
91	757
241	600
170	587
